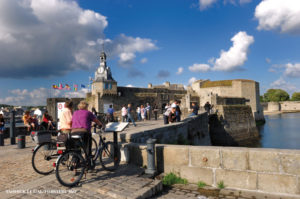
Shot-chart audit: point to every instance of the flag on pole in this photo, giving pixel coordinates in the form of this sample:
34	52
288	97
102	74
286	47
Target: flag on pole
82	86
75	87
67	87
60	86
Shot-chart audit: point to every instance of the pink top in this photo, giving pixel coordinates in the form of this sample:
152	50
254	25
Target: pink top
66	119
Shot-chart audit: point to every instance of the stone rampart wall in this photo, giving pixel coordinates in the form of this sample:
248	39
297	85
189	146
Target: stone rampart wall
267	170
233	125
285	106
192	130
290	106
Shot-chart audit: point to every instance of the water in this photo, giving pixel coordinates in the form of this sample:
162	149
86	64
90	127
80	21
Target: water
281	131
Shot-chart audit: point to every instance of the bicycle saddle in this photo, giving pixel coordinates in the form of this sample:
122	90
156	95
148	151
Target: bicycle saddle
76	136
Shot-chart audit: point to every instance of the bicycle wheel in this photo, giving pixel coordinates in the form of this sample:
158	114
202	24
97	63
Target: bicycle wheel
94	147
107	159
44	157
70	168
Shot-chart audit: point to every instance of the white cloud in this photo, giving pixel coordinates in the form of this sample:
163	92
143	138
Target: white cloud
292	70
144	60
206	3
38	96
282	84
191	80
179	71
268	60
40	38
129	85
236	56
199	68
283	15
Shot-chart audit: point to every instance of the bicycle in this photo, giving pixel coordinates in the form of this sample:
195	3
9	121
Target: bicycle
71	165
45	154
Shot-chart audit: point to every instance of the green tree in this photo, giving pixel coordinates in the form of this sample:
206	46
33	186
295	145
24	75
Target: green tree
296	96
276	95
261	98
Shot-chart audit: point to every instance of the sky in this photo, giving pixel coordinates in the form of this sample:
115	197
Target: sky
46	42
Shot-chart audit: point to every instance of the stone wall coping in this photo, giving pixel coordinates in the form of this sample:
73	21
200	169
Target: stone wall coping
245	149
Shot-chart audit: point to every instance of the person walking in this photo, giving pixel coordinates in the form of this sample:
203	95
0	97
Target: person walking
129	116
2	123
143	112
148	109
155	111
138	111
124	113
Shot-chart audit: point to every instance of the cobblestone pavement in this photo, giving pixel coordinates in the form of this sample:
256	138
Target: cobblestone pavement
19	180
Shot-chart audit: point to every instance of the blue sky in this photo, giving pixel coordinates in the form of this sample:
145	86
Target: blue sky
54	41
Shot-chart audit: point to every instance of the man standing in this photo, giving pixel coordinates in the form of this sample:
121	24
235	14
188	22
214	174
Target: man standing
178	111
207	107
124	113
110	113
195	109
129	115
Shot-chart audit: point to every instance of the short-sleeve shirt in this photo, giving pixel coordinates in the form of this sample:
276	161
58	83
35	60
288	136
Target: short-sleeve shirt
82	119
110	111
65	119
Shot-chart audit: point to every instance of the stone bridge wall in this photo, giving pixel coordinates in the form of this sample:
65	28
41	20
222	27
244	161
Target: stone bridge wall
192	130
266	170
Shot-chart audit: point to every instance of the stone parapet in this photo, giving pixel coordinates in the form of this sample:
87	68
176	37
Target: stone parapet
263	170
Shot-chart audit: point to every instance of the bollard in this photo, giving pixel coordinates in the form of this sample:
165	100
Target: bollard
21	141
115	136
151	157
12	128
1	139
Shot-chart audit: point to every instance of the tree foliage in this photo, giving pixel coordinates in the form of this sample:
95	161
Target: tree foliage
296	96
276	95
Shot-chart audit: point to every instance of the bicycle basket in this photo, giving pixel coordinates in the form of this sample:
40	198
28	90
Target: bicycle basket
41	136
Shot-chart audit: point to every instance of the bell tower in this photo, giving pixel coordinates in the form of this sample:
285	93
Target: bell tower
103	83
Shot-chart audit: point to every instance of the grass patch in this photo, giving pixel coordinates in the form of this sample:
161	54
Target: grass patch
201	184
172	178
221	184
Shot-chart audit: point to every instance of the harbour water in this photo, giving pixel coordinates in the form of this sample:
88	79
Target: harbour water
281	131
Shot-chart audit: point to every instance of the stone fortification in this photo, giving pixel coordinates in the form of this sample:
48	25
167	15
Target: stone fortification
233	125
285	106
265	170
238	88
192	130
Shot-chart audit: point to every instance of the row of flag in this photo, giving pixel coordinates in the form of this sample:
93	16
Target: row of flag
67	87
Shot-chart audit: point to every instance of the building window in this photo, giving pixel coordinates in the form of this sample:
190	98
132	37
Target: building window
107	86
